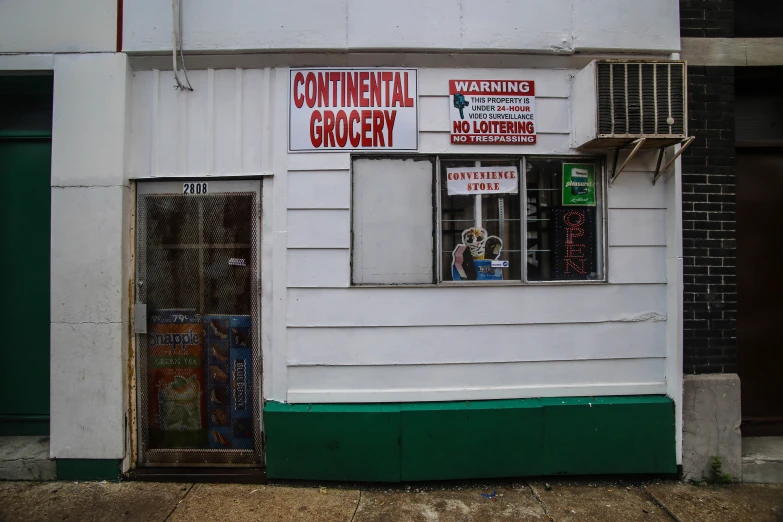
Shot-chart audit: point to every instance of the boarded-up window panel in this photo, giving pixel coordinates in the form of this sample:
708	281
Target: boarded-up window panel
392	221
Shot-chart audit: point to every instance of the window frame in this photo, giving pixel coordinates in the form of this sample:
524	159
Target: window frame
520	160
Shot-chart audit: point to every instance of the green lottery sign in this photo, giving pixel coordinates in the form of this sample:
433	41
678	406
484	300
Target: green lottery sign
579	184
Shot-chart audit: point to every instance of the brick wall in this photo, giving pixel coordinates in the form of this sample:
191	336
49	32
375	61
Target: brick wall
707	18
709	224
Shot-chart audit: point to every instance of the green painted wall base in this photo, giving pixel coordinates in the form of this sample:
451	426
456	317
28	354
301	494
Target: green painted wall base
24	425
481	439
88	469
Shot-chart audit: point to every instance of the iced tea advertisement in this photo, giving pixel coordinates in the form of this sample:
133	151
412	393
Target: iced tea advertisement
338	110
578	184
492	112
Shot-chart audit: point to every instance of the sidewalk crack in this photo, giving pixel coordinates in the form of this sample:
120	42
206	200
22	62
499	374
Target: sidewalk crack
357	506
539	500
660	504
178	503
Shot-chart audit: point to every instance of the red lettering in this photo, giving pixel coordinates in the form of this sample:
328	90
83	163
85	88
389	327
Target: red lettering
341	129
375	89
316	136
342	89
298	97
573	250
572	232
397	97
353	91
580	218
334	77
390	116
329	129
354	137
364	87
310	89
323	89
387	77
366	127
377	129
570	263
408	99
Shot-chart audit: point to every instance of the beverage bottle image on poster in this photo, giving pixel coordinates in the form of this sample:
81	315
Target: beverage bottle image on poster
492	112
177	408
578	184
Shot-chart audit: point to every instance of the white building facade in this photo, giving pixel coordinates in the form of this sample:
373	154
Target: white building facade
370	355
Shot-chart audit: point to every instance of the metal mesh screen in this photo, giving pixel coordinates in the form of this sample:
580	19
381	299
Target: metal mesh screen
197	262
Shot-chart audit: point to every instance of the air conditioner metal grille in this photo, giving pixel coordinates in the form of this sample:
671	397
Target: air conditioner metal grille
641	99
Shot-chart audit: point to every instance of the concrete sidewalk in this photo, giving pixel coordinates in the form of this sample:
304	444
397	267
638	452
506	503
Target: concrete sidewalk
570	500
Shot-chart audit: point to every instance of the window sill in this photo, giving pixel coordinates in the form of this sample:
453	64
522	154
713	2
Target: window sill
483	284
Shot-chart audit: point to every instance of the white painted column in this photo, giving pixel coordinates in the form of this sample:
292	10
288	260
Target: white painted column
89	258
674	264
674	287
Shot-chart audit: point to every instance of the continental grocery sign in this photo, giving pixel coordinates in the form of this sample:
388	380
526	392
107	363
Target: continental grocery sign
338	110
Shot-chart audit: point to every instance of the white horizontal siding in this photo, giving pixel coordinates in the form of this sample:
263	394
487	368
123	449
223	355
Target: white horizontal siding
634	189
330	189
318	267
474	381
319	229
460	305
637	227
467	344
217	129
643	161
637	264
350	26
319	161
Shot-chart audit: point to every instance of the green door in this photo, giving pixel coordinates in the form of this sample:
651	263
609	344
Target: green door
25	209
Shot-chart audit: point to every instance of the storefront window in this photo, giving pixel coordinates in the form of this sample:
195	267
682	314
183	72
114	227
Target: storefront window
479	229
481	233
564	220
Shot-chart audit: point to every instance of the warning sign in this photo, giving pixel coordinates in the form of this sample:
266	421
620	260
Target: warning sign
493	112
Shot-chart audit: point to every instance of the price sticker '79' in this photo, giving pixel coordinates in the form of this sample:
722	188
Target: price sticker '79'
192	189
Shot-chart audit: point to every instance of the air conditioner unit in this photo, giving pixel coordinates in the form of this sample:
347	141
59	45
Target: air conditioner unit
622	103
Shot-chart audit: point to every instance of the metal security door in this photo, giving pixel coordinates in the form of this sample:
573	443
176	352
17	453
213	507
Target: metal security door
197	320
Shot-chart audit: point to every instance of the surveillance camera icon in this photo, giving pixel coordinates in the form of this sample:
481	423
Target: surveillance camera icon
460	103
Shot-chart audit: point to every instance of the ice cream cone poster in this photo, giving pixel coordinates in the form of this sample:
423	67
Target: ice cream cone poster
477	257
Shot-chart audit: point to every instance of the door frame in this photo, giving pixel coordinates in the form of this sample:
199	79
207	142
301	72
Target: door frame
169	185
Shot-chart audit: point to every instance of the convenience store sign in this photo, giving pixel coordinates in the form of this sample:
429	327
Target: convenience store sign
338	110
492	112
482	180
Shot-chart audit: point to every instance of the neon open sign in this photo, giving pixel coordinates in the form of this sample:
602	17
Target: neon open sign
574	251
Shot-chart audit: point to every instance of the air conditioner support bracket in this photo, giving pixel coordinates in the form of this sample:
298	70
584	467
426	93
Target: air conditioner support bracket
658	170
637	144
615	171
